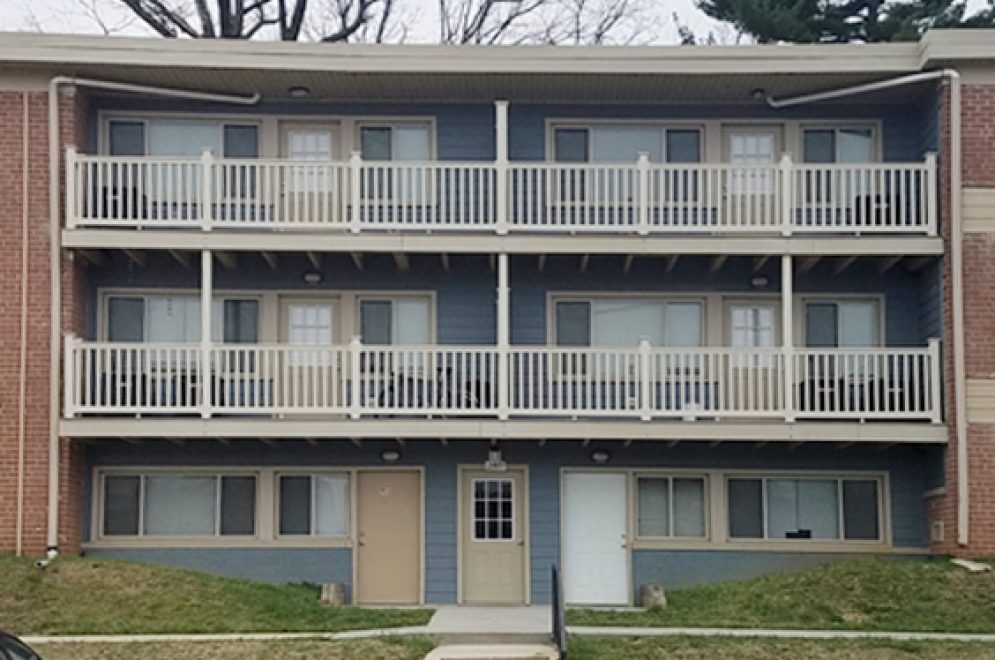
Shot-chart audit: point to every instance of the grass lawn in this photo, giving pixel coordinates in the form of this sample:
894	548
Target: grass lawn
872	594
90	595
681	648
382	649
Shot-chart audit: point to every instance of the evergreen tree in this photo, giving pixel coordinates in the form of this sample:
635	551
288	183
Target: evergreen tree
809	21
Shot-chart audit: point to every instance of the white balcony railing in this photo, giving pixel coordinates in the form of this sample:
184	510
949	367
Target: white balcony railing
640	198
458	381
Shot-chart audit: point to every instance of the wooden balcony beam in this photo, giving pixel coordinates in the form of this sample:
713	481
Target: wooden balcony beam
842	263
808	263
887	263
227	259
271	259
314	258
137	257
357	259
718	261
93	257
401	261
760	262
182	258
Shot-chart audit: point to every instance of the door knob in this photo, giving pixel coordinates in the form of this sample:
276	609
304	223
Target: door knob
624	543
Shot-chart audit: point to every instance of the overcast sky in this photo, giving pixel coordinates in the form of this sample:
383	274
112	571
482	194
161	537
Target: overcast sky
76	16
79	16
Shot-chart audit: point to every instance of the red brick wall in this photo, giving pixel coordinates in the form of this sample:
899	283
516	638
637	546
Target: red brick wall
978	169
38	321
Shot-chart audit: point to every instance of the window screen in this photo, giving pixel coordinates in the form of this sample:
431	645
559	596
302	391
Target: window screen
121	497
375	142
820	325
295	505
241	141
746	508
860	510
683	146
820	146
571	145
375	321
573	324
241	321
127	138
238	506
126	319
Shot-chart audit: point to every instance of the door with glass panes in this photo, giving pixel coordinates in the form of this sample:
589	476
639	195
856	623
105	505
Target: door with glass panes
312	378
314	191
493	532
752	381
752	150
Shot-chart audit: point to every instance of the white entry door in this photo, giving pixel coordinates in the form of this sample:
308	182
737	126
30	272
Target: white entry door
594	544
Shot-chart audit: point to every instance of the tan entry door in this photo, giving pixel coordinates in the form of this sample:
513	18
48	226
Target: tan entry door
388	552
493	537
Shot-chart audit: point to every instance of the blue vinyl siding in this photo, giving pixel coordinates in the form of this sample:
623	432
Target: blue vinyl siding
465	131
465	295
906	467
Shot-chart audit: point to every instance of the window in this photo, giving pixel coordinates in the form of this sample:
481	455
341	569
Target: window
838	145
493	509
178	504
852	323
314	145
404	321
314	505
401	142
623	322
176	318
752	326
671	507
165	137
623	144
395	142
804	508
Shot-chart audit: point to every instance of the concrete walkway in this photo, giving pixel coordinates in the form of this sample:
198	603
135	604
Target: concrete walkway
457	620
621	631
511	621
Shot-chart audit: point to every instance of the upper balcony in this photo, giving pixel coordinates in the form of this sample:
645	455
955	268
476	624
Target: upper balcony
639	198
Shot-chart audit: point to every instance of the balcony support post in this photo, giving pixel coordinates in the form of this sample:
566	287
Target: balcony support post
786	175
355	194
643	208
787	335
646	383
501	167
206	193
932	202
935	386
503	336
355	377
71	181
206	295
70	376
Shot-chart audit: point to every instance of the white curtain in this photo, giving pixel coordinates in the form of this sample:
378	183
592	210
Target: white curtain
180	505
331	501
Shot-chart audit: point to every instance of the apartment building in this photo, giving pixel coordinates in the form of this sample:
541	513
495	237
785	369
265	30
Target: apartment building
426	321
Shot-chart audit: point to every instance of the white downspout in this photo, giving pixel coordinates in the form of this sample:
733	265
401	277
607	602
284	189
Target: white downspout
22	376
956	261
54	205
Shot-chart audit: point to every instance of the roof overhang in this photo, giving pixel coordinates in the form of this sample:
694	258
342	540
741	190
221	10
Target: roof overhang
651	74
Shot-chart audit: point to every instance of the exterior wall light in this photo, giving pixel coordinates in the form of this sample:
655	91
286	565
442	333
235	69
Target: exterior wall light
600	456
299	91
390	456
313	277
759	281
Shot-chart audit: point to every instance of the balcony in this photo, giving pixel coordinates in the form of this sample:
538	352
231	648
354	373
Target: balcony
638	199
421	382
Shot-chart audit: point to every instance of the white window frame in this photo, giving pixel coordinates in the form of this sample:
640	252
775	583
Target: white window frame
801	318
393	297
883	517
177	118
671	476
553	298
98	519
553	124
312	474
875	126
104	319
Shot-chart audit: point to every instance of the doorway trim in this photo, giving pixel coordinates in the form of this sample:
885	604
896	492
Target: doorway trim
525	526
629	513
354	525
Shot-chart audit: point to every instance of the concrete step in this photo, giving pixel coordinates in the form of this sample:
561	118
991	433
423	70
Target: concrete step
494	652
492	638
